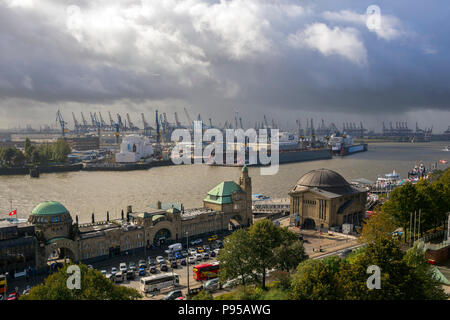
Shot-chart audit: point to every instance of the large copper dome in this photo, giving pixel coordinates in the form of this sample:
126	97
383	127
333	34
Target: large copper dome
322	178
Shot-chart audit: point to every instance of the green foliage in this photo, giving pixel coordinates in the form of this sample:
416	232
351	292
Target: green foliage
248	255
315	280
61	150
94	286
430	197
202	295
11	157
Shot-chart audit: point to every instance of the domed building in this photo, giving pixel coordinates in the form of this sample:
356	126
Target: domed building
52	220
323	198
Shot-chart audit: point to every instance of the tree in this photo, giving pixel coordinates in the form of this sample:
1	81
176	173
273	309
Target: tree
401	278
61	150
316	280
94	286
265	237
401	204
378	226
29	149
290	255
235	257
35	156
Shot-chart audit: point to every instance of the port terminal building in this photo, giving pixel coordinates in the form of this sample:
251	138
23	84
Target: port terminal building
324	199
51	232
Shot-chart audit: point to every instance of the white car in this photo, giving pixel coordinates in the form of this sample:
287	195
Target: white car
160	259
113	271
217	251
198	257
192	251
104	272
191	260
205	256
123	267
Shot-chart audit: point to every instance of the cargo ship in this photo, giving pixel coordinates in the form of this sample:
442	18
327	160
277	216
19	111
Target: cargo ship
343	145
291	149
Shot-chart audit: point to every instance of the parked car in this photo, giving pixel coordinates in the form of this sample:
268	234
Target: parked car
104	272
213	238
90	266
192	251
151	261
196	242
217	251
123	267
230	284
142	264
214	246
219	243
178	255
142	271
206	247
345	253
170	256
200	250
114	271
163	267
130	274
184	253
109	276
172	295
183	262
191	260
198	257
211	285
205	256
173	264
152	269
13	296
160	259
132	266
118	277
212	254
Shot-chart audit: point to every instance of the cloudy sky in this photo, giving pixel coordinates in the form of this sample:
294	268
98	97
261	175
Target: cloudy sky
289	59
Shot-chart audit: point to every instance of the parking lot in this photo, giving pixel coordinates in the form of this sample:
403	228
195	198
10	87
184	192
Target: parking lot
183	271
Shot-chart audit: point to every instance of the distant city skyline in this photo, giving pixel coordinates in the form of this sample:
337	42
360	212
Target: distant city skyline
287	59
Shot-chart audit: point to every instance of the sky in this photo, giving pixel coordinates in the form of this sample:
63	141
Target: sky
288	59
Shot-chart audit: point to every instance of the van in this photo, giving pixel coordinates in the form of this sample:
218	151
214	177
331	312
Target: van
174	247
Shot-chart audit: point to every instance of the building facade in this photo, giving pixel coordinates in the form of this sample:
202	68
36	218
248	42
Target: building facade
51	233
324	199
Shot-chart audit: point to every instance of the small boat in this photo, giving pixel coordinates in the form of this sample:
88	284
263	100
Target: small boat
443	161
447	148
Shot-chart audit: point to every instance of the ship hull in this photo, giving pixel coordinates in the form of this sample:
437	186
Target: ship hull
348	150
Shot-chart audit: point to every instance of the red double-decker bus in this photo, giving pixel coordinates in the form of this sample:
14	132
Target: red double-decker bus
206	271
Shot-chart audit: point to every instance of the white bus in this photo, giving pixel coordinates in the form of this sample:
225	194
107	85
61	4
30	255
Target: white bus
158	282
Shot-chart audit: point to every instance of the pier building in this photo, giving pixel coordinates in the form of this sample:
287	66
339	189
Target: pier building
51	232
323	198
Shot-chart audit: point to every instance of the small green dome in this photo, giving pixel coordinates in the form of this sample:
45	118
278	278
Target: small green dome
244	168
49	208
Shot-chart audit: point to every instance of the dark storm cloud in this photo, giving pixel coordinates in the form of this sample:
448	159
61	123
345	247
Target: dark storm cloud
290	55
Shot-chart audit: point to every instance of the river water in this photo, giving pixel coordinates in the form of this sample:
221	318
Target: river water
86	192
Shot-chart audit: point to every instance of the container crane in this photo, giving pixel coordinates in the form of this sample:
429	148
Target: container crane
62	123
76	125
191	123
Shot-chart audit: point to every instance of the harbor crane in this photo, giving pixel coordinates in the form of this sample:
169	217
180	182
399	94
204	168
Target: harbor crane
62	123
191	123
84	120
177	122
76	125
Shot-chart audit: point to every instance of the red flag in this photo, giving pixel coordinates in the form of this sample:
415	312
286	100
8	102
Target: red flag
12	213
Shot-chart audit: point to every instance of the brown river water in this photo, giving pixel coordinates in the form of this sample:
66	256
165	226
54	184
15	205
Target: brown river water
86	192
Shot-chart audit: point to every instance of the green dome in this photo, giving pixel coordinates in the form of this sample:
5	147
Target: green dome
49	208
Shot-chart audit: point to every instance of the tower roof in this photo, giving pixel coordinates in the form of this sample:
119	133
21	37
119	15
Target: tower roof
49	208
221	194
